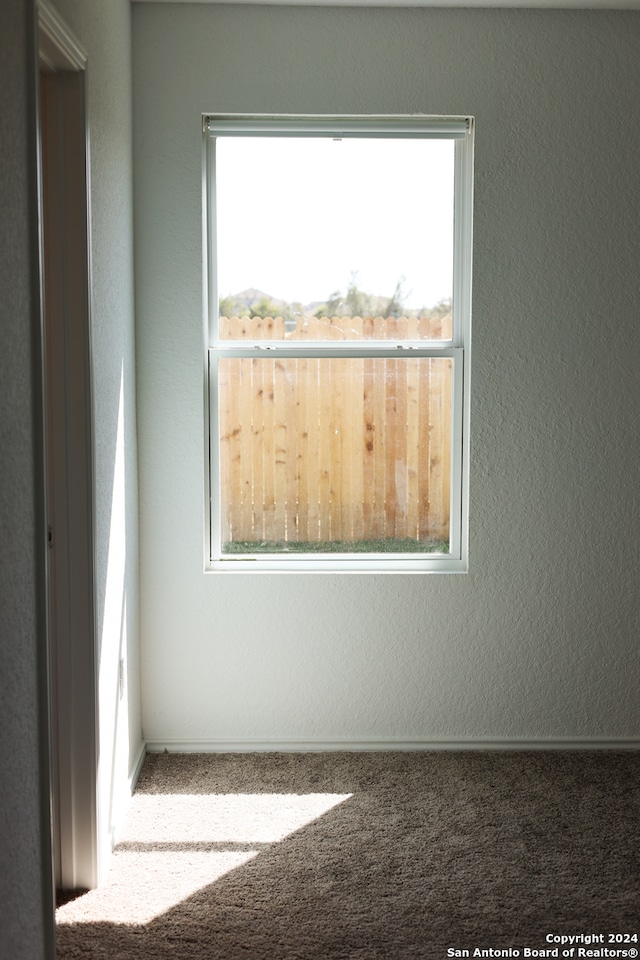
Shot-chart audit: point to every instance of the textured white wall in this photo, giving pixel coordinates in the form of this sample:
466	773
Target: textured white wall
539	640
26	895
104	30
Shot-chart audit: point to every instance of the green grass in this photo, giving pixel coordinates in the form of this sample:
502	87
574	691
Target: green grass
404	545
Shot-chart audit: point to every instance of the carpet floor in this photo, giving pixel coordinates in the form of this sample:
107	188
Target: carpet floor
354	856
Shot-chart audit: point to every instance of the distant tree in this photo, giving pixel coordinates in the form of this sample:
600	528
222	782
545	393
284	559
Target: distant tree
332	306
226	306
293	311
265	308
395	307
358	303
441	309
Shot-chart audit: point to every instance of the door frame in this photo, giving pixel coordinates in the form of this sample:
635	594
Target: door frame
65	280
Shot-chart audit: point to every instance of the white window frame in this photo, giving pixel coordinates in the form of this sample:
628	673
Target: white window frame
458	348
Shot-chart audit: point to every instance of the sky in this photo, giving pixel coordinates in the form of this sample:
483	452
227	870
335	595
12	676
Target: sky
298	216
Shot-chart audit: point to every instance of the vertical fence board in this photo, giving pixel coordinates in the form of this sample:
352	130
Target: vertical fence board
393	428
334	384
312	389
436	505
335	437
424	432
356	451
323	429
280	448
447	377
233	449
257	419
225	428
247	500
413	426
304	460
290	414
413	445
380	368
393	438
400	329
368	448
368	435
318	512
268	449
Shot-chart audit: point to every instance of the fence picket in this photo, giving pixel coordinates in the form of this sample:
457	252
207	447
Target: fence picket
325	417
381	369
246	493
280	448
355	453
290	414
413	434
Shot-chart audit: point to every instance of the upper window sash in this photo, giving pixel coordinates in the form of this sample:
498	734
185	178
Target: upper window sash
459	129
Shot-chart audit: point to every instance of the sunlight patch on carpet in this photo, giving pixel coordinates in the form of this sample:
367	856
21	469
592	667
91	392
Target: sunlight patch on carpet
173	845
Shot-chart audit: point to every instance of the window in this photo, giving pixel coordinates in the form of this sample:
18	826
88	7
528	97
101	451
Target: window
337	303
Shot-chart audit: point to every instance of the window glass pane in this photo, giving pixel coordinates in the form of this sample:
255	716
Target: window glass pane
355	233
335	455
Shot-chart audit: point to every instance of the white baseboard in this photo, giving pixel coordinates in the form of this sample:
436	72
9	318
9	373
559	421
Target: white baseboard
333	746
134	771
115	827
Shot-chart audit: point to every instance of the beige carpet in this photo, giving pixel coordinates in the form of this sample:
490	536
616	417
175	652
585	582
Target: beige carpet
394	855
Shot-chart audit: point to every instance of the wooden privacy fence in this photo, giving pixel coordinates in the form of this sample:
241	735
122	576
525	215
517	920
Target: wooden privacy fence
334	449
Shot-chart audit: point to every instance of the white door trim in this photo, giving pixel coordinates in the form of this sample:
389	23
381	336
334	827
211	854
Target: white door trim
66	295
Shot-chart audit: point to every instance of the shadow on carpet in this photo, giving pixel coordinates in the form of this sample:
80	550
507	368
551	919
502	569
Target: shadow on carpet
394	855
